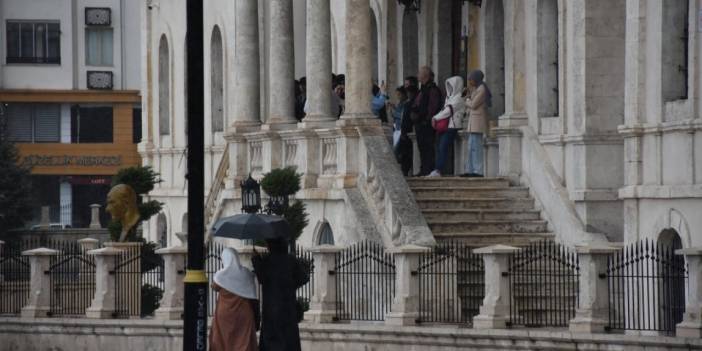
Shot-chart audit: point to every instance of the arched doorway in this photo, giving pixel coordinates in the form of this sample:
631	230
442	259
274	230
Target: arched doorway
671	296
217	81
162	230
410	44
164	87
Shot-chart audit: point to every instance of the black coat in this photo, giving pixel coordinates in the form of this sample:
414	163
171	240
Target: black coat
280	275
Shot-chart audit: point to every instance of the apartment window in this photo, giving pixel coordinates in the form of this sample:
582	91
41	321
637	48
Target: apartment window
33	42
91	124
33	123
98	46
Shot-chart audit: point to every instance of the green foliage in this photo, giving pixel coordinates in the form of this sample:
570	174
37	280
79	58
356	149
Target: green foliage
15	187
150	298
142	180
297	218
281	181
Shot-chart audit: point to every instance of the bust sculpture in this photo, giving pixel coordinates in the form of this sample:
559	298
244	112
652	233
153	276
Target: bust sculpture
122	206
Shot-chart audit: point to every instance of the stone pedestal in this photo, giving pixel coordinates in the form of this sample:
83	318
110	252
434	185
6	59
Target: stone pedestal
88	244
39	302
129	298
509	136
95	216
405	304
323	301
592	313
691	326
104	302
494	312
171	305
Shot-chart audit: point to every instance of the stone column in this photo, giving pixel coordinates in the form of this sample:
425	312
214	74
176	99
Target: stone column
494	312
319	65
691	326
592	313
95	216
323	301
88	244
358	65
103	304
281	67
405	304
39	303
171	305
247	105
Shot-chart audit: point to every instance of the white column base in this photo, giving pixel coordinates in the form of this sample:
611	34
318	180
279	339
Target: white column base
587	325
689	330
489	322
319	316
35	312
99	313
169	313
401	318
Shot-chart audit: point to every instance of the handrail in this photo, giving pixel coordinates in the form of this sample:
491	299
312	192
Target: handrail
217	186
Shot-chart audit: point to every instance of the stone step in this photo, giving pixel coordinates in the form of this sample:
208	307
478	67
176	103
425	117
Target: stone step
486	239
435	215
443	203
450	182
488	227
466	193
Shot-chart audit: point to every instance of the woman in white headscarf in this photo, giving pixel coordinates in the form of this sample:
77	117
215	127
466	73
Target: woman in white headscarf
234	322
453	111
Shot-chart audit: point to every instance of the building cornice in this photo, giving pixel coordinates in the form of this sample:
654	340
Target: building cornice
70	96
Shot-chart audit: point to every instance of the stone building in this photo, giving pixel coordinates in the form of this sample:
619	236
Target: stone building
596	136
69	91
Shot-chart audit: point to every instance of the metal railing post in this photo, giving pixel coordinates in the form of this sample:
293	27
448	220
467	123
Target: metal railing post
171	304
39	303
691	326
323	301
104	301
494	312
405	304
592	314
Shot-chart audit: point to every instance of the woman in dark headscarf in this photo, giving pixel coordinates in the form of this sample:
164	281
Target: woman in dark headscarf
477	103
280	274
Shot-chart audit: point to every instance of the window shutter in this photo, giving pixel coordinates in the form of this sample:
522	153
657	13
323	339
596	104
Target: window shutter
19	123
47	119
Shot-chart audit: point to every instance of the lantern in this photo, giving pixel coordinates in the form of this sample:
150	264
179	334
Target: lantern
250	196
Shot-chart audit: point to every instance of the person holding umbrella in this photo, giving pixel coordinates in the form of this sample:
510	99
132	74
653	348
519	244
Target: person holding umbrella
280	274
235	320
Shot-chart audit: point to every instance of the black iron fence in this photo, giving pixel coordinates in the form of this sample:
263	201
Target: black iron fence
544	288
71	279
365	281
213	263
14	279
451	284
647	285
304	293
139	281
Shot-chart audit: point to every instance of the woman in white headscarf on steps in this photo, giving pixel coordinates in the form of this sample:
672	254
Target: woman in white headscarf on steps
234	324
448	121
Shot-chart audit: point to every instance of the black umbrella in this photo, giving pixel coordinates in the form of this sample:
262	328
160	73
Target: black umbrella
252	226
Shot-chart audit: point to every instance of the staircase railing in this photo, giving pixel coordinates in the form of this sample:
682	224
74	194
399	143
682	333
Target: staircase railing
216	188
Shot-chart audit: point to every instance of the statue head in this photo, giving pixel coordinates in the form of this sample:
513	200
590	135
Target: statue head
122	205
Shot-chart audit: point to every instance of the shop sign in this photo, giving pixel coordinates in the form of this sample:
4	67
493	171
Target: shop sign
68	161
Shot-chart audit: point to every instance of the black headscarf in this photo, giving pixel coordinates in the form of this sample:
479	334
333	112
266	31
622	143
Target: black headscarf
478	76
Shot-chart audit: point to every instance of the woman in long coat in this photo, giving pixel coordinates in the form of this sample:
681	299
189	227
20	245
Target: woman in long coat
280	274
234	322
477	107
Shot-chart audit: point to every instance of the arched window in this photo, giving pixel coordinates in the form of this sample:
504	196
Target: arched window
410	44
671	289
164	87
326	235
162	230
217	81
675	48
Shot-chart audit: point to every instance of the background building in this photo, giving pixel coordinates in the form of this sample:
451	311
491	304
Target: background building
69	91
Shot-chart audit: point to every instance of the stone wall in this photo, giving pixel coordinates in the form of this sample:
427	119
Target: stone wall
108	335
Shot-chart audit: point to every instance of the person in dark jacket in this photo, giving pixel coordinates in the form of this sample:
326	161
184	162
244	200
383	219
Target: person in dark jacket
425	106
279	274
404	150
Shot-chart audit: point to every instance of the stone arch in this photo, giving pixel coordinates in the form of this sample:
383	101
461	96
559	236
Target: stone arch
164	87
674	220
410	43
323	234
216	81
162	230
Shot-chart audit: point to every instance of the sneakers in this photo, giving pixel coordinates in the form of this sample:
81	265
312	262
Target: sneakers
434	173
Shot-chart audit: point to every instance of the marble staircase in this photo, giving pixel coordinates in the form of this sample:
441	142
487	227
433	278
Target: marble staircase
479	211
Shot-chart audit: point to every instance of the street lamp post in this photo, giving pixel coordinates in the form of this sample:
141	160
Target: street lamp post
195	317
